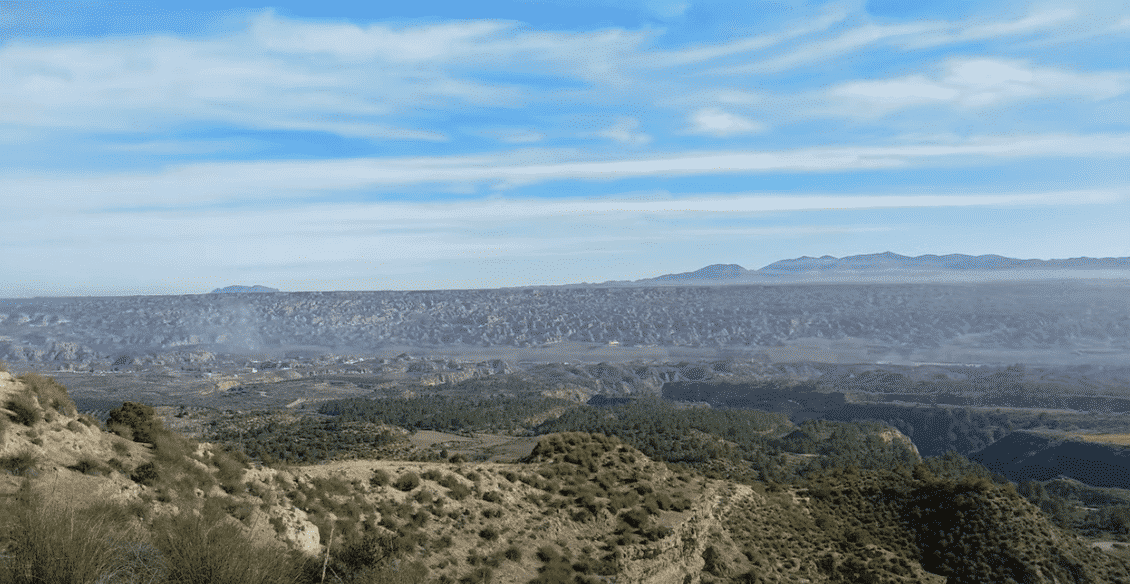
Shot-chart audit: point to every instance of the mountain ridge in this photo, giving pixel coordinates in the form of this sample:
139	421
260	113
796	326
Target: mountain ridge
888	263
240	289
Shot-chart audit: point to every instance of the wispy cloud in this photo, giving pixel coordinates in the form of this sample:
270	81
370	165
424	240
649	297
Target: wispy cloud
849	41
916	35
289	75
832	15
719	123
980	82
626	131
167	147
1031	23
512	135
218	182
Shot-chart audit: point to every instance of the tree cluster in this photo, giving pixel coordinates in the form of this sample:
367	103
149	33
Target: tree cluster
305	441
500	414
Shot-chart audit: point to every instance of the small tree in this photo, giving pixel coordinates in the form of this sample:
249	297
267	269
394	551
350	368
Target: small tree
140	419
407	482
380	478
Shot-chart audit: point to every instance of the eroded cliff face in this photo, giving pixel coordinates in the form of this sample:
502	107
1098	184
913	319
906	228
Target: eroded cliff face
895	434
679	557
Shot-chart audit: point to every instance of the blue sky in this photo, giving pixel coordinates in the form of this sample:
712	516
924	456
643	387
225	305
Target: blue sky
172	148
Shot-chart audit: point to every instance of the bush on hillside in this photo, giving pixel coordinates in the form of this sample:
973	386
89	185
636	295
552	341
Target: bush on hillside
145	474
20	463
53	396
380	478
141	421
25	409
407	482
202	550
54	544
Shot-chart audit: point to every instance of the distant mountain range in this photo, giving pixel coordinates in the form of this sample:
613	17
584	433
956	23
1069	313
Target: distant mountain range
886	264
243	289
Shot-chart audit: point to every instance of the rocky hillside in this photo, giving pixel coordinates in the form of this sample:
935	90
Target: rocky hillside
134	502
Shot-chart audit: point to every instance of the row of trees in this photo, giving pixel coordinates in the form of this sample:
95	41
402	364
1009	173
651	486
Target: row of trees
501	414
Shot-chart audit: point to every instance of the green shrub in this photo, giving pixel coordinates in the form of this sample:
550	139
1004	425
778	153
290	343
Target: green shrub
54	544
456	490
23	406
145	474
52	394
713	562
492	497
116	464
202	549
120	448
380	478
407	482
21	463
480	575
229	472
141	420
87	465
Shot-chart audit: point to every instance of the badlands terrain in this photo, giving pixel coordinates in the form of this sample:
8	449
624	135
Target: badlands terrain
656	431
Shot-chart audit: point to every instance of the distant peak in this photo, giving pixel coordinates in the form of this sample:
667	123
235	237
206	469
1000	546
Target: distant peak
711	272
955	261
243	289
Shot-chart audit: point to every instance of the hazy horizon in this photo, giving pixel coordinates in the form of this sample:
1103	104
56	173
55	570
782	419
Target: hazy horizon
909	276
174	148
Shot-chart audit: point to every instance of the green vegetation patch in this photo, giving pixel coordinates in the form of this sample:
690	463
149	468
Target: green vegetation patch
443	413
306	440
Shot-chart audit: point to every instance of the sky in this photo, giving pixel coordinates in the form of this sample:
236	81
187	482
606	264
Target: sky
177	147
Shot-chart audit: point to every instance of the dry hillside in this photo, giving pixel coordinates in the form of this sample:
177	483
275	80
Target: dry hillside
135	502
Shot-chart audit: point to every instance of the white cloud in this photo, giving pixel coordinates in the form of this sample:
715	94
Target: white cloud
420	220
716	122
849	41
410	44
919	34
696	54
283	74
513	135
980	82
1038	21
174	147
205	183
626	131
